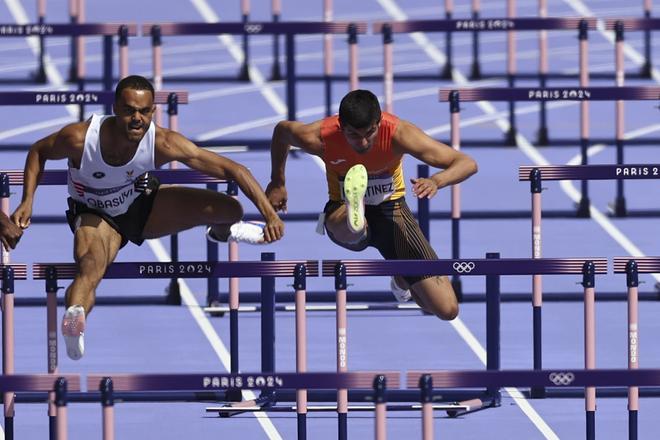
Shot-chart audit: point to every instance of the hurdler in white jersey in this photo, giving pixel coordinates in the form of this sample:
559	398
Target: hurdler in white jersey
107	188
114	197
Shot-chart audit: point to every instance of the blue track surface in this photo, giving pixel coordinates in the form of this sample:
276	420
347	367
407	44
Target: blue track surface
182	339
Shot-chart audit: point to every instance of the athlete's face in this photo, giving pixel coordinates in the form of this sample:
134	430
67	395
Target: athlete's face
361	139
134	110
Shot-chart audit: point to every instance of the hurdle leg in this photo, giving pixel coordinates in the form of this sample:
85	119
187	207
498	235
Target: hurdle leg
426	391
60	403
107	403
51	337
328	65
455	135
275	72
448	67
380	385
73	18
342	351
299	284
40	74
583	205
588	282
290	76
542	135
633	344
618	208
244	73
510	138
8	345
537	280
647	68
475	70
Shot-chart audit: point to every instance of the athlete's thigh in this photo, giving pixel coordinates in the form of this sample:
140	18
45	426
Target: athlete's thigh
95	241
177	208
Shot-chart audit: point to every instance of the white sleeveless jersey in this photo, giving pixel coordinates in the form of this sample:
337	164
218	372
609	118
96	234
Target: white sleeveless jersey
104	187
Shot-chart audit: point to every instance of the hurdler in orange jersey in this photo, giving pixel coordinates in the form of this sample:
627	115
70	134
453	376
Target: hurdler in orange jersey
363	149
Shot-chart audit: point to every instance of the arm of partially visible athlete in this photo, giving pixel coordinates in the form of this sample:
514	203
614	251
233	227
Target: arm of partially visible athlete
455	166
307	137
176	147
63	144
10	234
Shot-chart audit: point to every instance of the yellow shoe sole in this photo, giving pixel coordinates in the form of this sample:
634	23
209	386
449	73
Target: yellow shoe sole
355	187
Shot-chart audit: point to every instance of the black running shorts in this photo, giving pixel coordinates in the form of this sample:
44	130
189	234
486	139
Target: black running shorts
393	230
130	225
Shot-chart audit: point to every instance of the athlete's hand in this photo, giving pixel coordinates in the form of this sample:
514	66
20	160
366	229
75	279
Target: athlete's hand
274	229
424	187
10	234
277	196
23	214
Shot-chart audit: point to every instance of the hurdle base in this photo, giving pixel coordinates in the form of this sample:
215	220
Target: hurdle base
9	428
475	71
39	76
510	137
446	72
276	73
264	401
173	293
542	137
474	405
646	71
244	73
618	207
583	208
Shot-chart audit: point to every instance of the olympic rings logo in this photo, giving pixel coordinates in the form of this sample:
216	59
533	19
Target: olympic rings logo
464	266
253	28
561	378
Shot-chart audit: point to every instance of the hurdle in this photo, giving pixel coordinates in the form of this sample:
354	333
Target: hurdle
508	24
59	385
288	29
536	174
106	30
581	94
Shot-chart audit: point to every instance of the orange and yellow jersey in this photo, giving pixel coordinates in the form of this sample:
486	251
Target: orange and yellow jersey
384	167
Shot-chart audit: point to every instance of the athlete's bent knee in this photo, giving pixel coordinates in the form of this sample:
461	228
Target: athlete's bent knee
447	312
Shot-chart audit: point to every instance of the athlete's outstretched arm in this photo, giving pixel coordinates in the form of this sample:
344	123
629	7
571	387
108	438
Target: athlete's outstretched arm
175	147
63	144
456	166
307	137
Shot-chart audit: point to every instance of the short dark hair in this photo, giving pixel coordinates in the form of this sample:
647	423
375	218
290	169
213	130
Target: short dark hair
135	82
359	109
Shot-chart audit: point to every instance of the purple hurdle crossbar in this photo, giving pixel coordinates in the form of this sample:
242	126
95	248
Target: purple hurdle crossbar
288	29
225	382
52	272
59	384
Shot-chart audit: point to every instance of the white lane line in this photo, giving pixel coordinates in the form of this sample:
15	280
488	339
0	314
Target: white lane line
214	339
393	9
209	15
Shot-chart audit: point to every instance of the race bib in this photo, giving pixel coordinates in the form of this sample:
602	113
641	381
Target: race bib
379	189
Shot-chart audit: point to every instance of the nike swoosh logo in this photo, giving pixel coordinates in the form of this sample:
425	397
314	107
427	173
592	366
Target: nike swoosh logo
337	162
